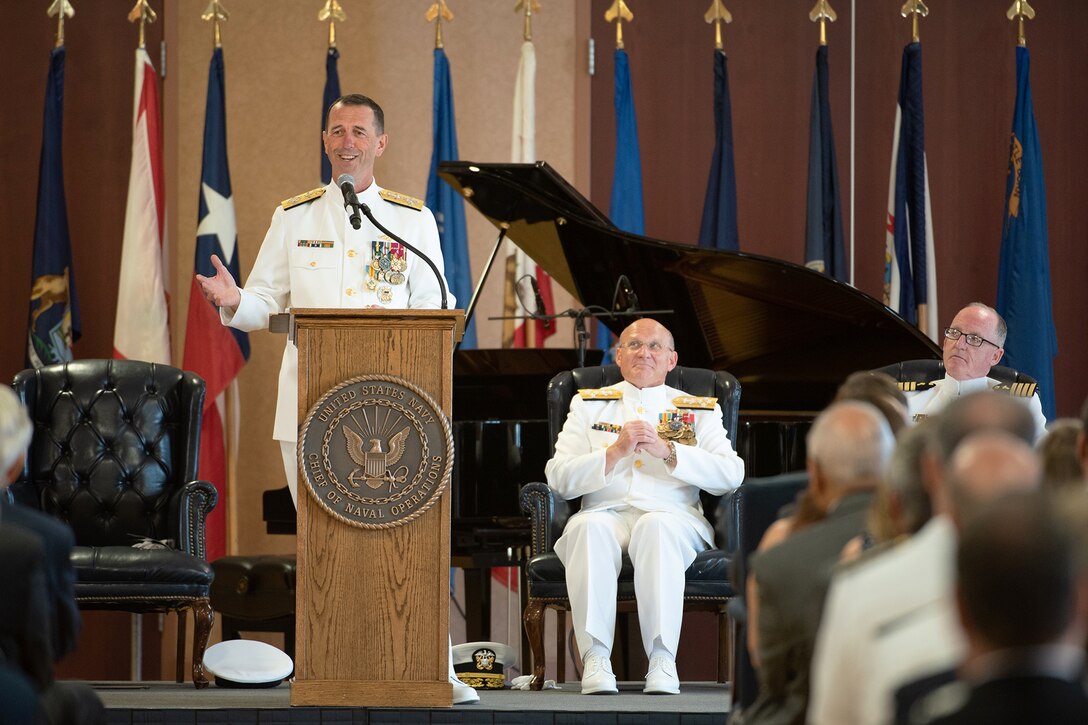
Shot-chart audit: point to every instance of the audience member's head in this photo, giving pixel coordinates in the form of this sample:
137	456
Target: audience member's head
986	465
1058	448
1016	574
978	412
880	390
15	433
902	505
849	446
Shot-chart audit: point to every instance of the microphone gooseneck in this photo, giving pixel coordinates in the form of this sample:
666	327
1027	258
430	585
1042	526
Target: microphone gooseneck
351	201
430	263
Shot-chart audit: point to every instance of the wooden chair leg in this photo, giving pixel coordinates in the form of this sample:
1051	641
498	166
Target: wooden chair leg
179	673
203	618
561	645
725	656
534	628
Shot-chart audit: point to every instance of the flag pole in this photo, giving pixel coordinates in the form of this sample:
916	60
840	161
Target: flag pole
215	12
914	9
823	14
60	8
718	14
436	14
333	13
1018	12
142	13
527	8
619	12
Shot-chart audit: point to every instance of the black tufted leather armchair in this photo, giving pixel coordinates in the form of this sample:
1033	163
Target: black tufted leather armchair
708	586
114	455
927	370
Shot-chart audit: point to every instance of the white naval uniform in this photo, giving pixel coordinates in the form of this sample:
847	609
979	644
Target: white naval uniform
311	257
888	620
639	487
929	402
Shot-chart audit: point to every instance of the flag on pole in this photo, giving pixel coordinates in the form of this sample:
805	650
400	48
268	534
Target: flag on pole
625	207
332	92
823	221
525	333
910	269
447	205
213	351
1023	282
142	327
719	227
54	309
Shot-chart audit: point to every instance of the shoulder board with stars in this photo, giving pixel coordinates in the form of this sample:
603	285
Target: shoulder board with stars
910	386
402	199
600	393
1017	390
693	401
303	198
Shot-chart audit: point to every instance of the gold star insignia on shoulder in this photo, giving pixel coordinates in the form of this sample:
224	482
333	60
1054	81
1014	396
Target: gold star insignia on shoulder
303	198
694	401
910	386
1017	390
600	393
402	199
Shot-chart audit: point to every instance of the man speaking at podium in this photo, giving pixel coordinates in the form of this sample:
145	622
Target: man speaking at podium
312	256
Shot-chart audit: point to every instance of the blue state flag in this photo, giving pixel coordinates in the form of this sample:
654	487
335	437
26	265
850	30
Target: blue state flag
910	269
719	227
823	220
332	92
1023	282
625	208
54	310
447	205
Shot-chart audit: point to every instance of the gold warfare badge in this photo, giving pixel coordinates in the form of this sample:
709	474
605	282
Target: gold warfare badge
376	451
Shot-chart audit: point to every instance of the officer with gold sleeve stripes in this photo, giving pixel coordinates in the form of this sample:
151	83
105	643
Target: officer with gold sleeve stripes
973	343
637	453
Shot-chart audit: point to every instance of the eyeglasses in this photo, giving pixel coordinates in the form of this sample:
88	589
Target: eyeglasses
636	345
972	339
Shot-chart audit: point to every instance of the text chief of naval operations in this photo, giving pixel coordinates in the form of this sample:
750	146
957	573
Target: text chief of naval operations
312	257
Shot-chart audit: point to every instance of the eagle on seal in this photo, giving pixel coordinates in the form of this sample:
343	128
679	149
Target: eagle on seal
375	462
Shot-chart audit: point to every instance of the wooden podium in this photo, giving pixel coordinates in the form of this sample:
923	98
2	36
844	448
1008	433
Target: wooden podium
372	613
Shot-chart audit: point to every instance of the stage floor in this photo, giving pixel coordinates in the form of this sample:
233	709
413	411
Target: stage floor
167	703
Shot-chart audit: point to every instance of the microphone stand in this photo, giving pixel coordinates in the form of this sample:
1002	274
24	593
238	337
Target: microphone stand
421	255
579	316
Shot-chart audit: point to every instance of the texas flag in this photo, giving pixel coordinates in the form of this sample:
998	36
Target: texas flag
213	351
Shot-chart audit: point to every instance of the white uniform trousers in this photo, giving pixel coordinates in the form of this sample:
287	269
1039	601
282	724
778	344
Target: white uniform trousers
661	547
289	451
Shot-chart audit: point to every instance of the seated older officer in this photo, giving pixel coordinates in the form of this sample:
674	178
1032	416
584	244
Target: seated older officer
640	496
973	343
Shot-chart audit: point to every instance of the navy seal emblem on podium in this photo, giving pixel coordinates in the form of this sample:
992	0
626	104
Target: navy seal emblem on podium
376	451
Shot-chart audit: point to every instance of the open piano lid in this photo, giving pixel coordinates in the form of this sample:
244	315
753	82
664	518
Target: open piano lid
790	335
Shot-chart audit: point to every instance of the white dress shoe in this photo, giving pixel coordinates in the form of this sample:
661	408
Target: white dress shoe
597	677
462	693
661	678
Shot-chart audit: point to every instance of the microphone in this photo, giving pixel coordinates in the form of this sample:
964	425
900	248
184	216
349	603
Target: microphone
347	188
628	291
382	228
538	311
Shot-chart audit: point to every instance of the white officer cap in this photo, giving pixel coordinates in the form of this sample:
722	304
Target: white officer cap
247	663
483	665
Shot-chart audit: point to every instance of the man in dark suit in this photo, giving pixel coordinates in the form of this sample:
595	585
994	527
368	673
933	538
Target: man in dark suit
849	447
35	617
1017	584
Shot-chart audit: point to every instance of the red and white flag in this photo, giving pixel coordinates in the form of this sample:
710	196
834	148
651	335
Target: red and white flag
142	326
525	333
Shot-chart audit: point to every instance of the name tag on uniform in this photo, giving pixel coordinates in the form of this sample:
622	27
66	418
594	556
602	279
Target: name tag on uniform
316	244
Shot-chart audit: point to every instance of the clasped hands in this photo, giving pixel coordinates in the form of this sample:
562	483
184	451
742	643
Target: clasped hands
635	437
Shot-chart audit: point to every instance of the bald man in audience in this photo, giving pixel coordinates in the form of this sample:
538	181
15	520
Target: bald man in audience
849	447
890	618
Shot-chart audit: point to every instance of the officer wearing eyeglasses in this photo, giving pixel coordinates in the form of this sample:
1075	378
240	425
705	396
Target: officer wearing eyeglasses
973	343
637	453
